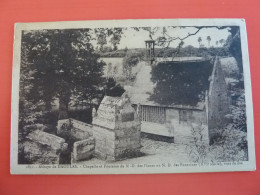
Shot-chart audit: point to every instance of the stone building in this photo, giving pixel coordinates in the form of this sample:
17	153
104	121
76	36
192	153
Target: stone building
179	96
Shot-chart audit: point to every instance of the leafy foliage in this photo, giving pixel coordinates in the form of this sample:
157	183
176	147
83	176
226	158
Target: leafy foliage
181	83
130	60
238	109
233	44
62	63
113	89
230	146
111	35
199	148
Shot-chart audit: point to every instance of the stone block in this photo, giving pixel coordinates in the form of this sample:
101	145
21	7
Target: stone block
84	128
79	134
123	143
84	149
48	139
43	148
100	155
74	128
35	153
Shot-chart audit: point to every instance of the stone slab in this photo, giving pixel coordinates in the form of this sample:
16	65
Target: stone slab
84	149
51	140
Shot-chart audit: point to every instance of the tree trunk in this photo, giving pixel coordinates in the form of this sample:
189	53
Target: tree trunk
48	106
63	107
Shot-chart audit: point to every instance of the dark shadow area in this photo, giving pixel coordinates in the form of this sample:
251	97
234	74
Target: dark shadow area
181	83
157	137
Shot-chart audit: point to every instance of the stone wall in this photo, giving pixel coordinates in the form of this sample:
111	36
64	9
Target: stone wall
105	143
74	128
116	129
181	130
78	136
218	101
81	130
43	148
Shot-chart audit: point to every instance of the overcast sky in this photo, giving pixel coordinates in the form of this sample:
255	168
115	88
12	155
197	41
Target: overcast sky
135	39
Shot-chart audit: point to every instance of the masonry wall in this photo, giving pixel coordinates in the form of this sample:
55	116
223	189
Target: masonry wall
218	101
119	136
118	144
182	129
74	128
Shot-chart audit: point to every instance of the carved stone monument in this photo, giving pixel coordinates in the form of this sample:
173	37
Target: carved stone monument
116	129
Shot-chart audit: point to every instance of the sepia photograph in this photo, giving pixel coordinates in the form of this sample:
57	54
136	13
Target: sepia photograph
131	96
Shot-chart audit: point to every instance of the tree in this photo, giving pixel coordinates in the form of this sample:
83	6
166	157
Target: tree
64	64
113	89
216	43
222	41
208	39
107	49
199	40
130	60
113	34
189	50
101	39
174	80
233	44
177	52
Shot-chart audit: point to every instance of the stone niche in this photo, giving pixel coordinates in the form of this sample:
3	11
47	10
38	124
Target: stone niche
116	129
43	148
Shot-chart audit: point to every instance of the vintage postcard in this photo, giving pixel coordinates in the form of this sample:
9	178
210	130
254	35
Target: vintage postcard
131	96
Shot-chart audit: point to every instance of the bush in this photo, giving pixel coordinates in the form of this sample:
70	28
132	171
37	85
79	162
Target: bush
131	59
230	146
199	147
81	115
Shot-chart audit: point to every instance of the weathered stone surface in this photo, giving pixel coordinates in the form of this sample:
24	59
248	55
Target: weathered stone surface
218	101
84	149
35	153
43	148
116	128
74	128
83	130
51	140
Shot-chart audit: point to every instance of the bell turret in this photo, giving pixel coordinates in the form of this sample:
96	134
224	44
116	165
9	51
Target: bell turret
150	55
